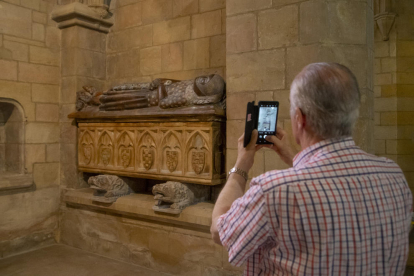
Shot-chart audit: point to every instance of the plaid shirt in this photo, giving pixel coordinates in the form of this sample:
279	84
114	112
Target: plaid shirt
338	211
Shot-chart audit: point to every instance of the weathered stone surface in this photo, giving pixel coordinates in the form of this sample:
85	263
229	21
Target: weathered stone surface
242	33
19	51
44	56
42	133
235	128
348	22
314	26
282	96
39	17
47	112
45	93
23	40
46	175
52	153
172	31
65	110
31	4
125	64
39	73
38	31
241	6
218	51
90	64
278	28
150	60
128	16
206	24
52	39
273	162
256	71
15	20
121	41
156	10
209	5
26	217
184	7
34	154
8	70
68	133
172	57
197	53
20	92
350	56
237	103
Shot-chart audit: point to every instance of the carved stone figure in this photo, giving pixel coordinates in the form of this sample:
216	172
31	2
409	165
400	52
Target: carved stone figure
88	97
172	197
108	187
165	93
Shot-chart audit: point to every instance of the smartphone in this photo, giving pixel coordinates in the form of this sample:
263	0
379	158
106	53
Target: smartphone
267	120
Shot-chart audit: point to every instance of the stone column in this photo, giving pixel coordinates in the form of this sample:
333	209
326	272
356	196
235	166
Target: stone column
269	42
83	63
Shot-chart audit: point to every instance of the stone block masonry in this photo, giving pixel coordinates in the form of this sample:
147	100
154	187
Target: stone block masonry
178	39
30	76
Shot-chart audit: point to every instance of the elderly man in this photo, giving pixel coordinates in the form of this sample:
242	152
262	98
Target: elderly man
337	211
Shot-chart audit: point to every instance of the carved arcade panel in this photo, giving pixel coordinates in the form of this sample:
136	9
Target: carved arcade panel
165	151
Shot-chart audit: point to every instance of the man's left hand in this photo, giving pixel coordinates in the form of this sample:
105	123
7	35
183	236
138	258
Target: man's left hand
245	155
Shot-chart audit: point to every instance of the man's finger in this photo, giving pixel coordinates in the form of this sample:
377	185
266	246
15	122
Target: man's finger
253	139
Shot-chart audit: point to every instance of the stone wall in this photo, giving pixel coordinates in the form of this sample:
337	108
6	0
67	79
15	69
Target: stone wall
394	91
394	94
269	42
178	39
30	75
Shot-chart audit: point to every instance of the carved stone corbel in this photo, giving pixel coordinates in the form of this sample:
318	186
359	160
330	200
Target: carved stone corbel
384	17
77	14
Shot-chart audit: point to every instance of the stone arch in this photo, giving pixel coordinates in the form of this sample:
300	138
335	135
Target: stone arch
12	130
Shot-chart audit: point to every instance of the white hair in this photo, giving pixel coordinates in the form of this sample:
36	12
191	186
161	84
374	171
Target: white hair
329	97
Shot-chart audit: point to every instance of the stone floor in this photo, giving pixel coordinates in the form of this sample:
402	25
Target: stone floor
61	260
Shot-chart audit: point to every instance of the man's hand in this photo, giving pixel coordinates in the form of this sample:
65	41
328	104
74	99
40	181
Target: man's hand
245	155
282	146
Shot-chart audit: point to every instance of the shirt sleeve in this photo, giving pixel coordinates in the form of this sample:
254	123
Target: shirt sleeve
245	227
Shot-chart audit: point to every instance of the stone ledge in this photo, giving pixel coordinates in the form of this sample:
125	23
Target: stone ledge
140	205
14	181
81	15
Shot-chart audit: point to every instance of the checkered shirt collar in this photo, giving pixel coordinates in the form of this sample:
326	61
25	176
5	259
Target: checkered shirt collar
327	145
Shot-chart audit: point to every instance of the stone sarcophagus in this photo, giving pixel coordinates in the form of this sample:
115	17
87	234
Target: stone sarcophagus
166	130
191	152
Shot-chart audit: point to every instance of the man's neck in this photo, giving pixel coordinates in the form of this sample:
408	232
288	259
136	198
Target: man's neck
309	139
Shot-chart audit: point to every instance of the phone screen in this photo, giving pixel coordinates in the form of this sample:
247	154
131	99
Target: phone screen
266	124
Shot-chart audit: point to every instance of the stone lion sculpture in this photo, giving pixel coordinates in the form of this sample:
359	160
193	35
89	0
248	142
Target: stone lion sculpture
108	187
173	197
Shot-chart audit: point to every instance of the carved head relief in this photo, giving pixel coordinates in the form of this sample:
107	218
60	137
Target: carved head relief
209	85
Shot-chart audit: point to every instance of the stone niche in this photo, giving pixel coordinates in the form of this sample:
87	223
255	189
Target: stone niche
12	126
168	135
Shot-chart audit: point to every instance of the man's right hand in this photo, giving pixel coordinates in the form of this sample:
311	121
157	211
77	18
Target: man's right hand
282	146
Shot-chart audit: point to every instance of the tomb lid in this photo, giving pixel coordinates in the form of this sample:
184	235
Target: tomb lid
212	112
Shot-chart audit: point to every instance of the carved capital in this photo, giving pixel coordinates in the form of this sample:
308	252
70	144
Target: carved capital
385	22
78	14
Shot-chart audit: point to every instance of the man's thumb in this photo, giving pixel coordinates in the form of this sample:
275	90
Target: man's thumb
273	139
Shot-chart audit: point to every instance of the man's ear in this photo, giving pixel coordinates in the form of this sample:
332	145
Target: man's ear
300	119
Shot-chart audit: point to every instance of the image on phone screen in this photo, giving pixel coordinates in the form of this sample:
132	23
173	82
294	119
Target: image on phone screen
266	120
